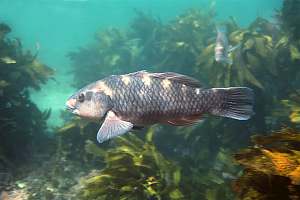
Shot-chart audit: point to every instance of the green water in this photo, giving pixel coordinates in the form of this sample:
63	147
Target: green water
49	49
62	26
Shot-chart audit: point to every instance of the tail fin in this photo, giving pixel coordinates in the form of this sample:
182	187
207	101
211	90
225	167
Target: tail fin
237	103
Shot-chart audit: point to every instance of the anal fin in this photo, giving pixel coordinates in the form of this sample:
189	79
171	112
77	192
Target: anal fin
112	126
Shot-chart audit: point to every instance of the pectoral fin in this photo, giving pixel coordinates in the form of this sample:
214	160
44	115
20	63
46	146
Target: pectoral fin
112	126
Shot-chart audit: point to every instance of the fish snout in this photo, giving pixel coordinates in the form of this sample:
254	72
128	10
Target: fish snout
70	104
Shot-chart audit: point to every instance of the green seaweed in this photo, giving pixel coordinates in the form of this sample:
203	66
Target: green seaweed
254	55
293	105
134	170
186	45
289	17
191	162
148	42
23	125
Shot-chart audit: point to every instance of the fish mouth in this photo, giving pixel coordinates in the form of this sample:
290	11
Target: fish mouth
72	110
70	106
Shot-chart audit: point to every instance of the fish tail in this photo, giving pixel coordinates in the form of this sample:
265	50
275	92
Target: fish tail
235	102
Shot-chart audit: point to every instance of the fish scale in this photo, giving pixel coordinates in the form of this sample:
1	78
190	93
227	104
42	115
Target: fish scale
157	101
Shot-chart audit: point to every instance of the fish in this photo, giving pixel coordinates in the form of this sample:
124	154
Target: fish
142	98
229	176
222	48
8	60
37	46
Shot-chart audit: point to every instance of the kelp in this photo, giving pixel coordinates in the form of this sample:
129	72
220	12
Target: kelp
185	45
71	138
271	167
251	59
290	18
267	60
134	169
208	179
148	43
111	53
292	107
286	110
287	54
23	125
192	162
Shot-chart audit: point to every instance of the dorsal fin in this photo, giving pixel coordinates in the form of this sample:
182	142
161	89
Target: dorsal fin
172	76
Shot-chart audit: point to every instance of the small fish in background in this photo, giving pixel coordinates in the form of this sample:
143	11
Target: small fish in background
8	60
227	175
222	48
37	46
141	98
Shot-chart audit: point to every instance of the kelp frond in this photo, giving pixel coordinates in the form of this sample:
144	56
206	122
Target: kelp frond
134	170
272	163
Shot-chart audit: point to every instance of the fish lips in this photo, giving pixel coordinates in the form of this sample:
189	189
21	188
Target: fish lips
71	106
73	110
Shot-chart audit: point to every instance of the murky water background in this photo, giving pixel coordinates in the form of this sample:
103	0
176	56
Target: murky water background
51	48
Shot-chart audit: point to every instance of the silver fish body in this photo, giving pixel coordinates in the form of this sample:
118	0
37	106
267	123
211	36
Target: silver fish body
221	44
142	98
222	48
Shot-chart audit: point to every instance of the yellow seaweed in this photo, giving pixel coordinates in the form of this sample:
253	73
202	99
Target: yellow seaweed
295	116
133	169
273	160
176	194
295	53
282	162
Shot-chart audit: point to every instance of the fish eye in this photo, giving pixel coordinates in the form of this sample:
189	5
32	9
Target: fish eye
81	98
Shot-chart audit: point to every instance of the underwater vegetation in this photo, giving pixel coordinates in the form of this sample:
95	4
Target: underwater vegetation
163	162
290	17
291	108
22	124
267	60
255	51
272	168
134	169
148	44
71	140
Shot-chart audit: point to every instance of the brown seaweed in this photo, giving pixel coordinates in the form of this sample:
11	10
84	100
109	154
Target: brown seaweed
134	170
23	125
271	167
